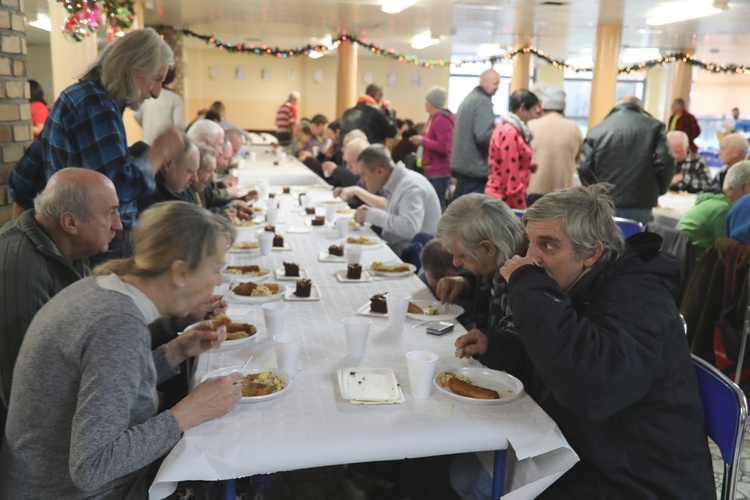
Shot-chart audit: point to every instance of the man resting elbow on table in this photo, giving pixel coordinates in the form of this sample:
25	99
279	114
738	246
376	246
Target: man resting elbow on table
83	415
596	338
412	205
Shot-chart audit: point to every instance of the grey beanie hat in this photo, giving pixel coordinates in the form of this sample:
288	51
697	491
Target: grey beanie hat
437	97
554	99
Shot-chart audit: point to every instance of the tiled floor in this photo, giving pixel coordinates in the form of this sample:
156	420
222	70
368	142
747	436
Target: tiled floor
338	483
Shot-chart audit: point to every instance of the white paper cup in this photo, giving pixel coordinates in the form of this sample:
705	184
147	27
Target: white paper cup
263	188
265	240
272	216
331	213
398	304
272	204
315	151
305	201
342	226
288	348
253	156
353	254
356	330
274	314
421	365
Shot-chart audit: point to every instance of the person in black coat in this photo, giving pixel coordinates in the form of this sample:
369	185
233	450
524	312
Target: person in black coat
372	115
597	340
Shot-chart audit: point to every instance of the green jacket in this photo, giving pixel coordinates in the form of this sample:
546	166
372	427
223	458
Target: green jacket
706	221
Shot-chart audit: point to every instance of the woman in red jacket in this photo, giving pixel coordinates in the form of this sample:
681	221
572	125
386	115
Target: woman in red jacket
39	110
436	141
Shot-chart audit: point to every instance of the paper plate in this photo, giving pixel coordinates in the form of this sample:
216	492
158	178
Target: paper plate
220	372
507	386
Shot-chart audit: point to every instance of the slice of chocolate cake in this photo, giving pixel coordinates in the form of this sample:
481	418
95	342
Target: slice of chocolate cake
291	269
278	241
378	304
270	228
310	211
319	220
286	190
354	272
304	288
337	250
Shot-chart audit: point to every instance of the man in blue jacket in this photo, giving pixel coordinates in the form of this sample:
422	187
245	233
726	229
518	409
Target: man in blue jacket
597	340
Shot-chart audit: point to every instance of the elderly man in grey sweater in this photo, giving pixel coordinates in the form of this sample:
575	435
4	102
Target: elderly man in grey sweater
412	204
472	131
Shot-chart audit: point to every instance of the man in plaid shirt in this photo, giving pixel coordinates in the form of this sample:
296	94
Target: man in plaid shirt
691	172
685	122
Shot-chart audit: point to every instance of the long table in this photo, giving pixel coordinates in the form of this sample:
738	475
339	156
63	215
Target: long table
276	166
312	426
673	207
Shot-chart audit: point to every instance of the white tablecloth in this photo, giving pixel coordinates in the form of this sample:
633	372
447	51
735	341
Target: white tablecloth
312	426
274	165
672	207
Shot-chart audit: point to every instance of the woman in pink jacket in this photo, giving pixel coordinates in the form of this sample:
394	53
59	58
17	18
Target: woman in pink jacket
510	164
436	141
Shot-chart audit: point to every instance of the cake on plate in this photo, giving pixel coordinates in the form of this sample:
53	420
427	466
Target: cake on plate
304	288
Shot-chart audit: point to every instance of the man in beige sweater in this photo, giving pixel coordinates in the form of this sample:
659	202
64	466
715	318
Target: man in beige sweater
555	147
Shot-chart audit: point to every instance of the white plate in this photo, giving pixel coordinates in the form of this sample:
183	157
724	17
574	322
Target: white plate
453	311
262	275
232	249
338	202
395	274
220	372
258	299
314	294
369	386
303	274
506	385
228	343
365	311
355	226
341	276
324	256
287	246
378	244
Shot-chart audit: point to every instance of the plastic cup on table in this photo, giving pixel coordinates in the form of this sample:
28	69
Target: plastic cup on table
288	348
272	216
342	226
331	213
421	365
263	188
315	151
253	156
398	304
274	315
353	254
305	201
356	330
265	240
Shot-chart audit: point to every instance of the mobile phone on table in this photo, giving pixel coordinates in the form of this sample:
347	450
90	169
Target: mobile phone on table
439	327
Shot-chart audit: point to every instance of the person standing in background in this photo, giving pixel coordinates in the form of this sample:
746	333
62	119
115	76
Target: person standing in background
286	119
157	115
682	120
436	142
39	110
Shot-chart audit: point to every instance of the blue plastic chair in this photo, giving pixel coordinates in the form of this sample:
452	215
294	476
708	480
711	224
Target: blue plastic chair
725	409
518	212
628	227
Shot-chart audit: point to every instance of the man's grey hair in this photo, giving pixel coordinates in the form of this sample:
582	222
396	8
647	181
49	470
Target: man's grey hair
355	147
630	99
183	153
354	134
587	213
206	153
679	135
736	141
294	95
70	196
205	131
139	52
436	259
376	156
738	174
474	218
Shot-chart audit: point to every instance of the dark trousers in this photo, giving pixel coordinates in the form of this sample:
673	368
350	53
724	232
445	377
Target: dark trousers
441	187
468	185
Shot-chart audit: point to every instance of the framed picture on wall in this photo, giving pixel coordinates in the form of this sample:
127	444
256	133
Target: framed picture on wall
265	74
416	81
391	79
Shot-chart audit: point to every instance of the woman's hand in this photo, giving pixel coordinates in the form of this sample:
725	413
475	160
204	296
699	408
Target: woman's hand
471	344
193	342
213	306
212	399
450	287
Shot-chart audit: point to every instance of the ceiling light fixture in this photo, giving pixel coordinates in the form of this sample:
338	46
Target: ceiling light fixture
686	11
486	50
42	22
396	6
424	40
315	54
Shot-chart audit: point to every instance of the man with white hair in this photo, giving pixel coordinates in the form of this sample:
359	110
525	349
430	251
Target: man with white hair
355	194
732	149
175	177
691	173
207	132
286	119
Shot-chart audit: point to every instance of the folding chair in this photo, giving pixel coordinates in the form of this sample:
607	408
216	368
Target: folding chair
725	409
628	227
498	474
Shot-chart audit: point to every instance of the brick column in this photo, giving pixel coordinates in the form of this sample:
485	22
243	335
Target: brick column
15	113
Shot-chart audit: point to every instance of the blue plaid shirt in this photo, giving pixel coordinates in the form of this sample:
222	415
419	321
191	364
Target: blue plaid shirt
84	129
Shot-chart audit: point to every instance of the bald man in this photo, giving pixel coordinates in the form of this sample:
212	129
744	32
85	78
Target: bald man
46	249
472	131
732	149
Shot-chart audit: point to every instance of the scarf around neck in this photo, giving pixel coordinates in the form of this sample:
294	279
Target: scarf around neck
520	125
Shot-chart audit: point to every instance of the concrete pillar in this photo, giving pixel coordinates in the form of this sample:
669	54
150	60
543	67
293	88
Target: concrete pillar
15	114
549	76
521	70
604	82
682	80
656	95
69	59
346	77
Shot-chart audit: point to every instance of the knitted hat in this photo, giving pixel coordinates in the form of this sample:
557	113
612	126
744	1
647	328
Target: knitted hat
437	97
554	99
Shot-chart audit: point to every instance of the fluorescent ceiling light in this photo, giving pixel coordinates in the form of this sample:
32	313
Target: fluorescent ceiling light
315	54
639	55
489	49
396	6
679	12
42	22
423	41
580	62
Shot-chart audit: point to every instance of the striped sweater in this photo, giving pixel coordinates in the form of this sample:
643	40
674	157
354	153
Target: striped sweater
286	117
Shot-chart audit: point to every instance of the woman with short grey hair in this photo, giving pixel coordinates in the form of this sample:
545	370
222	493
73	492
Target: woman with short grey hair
85	129
481	232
